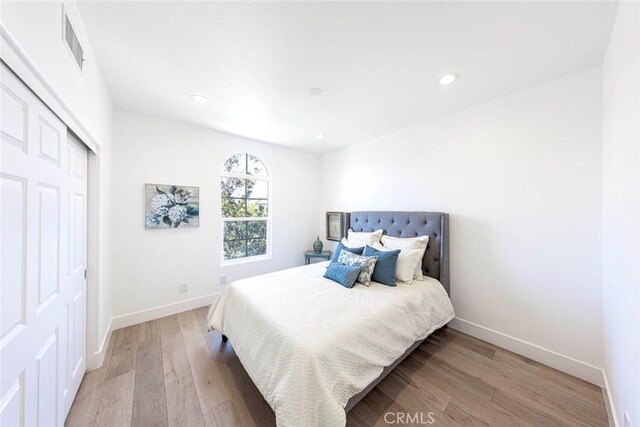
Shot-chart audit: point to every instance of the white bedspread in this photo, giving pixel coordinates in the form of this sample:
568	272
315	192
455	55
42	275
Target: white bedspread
310	344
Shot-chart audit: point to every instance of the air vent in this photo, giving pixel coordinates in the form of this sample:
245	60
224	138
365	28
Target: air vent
73	43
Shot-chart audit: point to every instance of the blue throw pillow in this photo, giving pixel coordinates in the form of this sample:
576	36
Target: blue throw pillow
385	269
341	247
344	274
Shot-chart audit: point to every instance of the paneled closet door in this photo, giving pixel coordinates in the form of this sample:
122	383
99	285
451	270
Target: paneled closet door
43	228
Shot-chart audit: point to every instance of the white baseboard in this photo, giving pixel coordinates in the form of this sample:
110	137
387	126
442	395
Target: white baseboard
608	401
102	352
162	311
548	357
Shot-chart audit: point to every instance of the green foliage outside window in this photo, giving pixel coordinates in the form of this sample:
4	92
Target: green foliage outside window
244	197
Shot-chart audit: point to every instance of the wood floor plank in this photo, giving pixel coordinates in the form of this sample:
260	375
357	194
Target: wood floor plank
371	410
412	397
461	379
116	402
174	356
523	410
249	403
166	325
93	380
201	317
409	393
252	406
427	373
452	377
123	360
224	415
567	383
462	417
148	330
136	334
85	406
485	349
437	395
209	384
560	407
83	411
183	405
542	395
125	337
487	412
558	379
149	400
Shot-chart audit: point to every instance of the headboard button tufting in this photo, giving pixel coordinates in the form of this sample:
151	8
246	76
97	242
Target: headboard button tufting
410	225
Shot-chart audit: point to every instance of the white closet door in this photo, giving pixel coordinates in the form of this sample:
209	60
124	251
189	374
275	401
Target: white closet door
43	223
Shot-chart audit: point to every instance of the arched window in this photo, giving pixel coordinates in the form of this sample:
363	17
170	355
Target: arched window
245	209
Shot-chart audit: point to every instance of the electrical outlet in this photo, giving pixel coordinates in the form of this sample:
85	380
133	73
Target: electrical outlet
183	288
627	420
223	279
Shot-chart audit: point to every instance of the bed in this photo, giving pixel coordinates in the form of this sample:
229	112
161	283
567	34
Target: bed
314	348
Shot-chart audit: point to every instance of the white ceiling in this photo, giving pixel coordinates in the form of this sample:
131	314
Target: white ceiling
377	63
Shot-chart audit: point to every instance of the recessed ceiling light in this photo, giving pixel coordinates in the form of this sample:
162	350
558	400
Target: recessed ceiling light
199	99
320	136
315	91
447	79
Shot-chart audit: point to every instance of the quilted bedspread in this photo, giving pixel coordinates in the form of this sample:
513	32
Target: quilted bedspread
310	344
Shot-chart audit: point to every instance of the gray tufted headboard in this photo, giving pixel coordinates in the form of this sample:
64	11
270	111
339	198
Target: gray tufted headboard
412	224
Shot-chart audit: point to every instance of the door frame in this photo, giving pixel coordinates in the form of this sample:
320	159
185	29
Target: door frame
17	60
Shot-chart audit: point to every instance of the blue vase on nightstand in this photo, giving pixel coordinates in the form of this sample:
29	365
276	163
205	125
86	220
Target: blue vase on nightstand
317	245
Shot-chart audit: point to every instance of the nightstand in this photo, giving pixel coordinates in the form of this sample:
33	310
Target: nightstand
311	254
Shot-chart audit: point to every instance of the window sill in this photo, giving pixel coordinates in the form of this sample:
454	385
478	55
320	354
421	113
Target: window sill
238	261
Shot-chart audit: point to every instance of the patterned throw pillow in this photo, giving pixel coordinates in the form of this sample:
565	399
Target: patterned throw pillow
366	264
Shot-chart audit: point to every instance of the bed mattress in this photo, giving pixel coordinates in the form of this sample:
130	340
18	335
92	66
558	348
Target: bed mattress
309	344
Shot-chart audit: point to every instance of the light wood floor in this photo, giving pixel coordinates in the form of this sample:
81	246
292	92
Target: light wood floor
171	372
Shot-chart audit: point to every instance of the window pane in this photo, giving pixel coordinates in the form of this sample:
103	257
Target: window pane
244	197
233	208
236	164
233	187
257	208
235	249
257	189
256	247
256	228
235	230
255	166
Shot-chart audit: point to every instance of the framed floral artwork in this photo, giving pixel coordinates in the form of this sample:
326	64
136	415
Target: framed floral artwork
171	206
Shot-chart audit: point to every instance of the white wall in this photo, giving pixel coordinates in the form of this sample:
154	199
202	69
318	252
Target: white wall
621	213
150	264
37	27
521	178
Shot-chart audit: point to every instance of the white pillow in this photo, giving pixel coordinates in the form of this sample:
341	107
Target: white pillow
408	244
357	240
406	262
